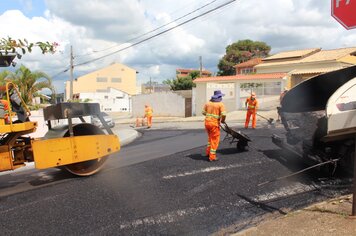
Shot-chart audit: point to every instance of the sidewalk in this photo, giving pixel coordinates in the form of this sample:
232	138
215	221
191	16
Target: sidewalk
231	117
329	218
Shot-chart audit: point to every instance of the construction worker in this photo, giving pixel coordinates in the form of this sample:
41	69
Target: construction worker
214	112
4	102
252	105
148	115
5	106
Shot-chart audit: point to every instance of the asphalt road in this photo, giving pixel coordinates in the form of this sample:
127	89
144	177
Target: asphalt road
161	184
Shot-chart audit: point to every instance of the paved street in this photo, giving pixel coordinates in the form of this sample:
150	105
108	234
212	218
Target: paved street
162	184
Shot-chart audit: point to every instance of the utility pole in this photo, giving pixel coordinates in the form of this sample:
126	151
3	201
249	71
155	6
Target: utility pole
200	66
71	73
150	85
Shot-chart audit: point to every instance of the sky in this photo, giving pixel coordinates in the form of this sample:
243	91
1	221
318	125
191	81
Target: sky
113	29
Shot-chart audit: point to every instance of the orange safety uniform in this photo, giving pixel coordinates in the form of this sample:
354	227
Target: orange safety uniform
213	112
252	105
148	115
6	109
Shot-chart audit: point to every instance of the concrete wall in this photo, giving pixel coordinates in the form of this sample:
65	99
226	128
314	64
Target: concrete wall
163	104
112	101
200	98
235	97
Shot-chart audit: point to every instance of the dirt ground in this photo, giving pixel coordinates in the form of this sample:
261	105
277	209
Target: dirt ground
330	218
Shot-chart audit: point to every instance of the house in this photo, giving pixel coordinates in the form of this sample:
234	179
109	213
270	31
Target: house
185	72
112	100
237	88
247	67
116	76
269	76
304	64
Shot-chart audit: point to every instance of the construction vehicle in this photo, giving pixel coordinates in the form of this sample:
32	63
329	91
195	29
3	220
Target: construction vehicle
319	116
80	148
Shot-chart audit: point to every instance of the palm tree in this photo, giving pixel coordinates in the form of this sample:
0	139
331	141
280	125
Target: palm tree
3	75
30	83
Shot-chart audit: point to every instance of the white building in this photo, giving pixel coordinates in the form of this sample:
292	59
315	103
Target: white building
112	100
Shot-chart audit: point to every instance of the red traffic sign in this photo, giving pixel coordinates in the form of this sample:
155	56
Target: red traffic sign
344	11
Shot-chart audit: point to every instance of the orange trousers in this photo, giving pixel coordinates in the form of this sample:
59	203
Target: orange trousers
248	115
149	121
213	131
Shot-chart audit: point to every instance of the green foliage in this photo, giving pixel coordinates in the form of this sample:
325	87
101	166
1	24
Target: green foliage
30	83
194	74
11	46
34	107
183	83
241	51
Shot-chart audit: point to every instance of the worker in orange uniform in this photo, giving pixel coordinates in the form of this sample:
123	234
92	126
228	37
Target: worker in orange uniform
148	115
5	104
215	113
252	105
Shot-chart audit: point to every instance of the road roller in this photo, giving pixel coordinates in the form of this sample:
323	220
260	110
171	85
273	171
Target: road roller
78	147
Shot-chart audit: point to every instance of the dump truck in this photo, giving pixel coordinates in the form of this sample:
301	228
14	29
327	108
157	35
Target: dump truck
319	117
80	148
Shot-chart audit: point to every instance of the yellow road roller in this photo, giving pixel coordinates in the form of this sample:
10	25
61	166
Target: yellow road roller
80	148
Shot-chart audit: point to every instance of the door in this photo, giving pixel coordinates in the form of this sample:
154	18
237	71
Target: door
188	107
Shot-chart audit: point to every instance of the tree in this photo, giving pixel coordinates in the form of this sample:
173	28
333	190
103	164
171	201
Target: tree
3	75
30	83
9	45
183	83
241	51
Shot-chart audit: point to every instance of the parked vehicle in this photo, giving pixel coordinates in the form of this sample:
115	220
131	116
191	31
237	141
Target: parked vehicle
109	121
319	116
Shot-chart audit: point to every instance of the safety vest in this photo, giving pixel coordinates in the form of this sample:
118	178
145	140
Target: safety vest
213	112
251	104
148	111
5	110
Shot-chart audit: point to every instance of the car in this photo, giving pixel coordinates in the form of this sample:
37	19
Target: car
109	121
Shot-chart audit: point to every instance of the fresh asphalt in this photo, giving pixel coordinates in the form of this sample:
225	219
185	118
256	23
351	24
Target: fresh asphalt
162	184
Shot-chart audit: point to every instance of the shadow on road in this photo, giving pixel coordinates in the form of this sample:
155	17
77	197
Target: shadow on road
198	157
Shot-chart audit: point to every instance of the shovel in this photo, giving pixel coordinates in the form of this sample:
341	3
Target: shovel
269	120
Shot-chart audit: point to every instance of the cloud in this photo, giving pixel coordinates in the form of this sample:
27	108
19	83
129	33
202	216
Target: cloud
95	29
115	21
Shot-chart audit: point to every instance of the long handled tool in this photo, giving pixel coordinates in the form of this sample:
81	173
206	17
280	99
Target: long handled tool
270	120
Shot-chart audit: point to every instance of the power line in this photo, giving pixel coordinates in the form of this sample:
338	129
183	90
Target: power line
179	18
151	31
59	73
155	35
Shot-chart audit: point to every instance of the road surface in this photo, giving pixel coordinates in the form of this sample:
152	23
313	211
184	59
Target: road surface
163	184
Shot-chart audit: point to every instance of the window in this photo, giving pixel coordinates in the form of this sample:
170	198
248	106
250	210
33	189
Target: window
116	80
101	79
247	71
106	97
102	90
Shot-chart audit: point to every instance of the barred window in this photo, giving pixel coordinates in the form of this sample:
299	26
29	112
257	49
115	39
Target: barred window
116	80
101	79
